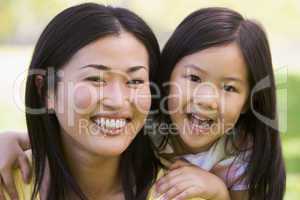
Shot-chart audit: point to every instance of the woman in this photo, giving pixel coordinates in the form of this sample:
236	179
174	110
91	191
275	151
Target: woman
85	52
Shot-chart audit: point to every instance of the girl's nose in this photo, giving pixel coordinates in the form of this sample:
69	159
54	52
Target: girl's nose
206	95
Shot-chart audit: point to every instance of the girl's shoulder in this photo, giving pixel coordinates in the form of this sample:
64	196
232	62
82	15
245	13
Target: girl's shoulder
223	160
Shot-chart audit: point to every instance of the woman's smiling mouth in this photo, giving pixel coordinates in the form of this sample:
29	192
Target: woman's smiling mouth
110	126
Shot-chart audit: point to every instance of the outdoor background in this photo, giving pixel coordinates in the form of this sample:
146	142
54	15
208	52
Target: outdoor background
21	22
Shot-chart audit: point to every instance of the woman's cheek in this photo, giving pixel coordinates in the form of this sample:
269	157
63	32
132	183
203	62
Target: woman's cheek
142	100
84	97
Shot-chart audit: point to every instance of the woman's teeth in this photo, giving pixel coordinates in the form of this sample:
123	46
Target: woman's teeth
111	123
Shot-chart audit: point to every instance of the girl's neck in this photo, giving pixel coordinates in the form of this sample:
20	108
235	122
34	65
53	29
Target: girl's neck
97	176
184	149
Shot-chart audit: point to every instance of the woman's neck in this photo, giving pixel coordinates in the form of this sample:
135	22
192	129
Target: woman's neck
97	176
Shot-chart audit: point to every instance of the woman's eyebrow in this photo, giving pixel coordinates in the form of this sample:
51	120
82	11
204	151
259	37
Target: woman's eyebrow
136	68
106	68
97	66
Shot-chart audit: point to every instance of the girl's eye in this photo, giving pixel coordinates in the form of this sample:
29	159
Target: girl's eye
193	78
135	82
230	88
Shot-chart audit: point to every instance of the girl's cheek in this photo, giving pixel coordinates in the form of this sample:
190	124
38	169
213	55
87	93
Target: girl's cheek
232	111
174	100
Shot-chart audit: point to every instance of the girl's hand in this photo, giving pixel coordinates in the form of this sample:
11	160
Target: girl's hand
184	181
12	155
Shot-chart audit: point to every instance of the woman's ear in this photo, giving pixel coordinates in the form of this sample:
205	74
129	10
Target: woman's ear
245	107
39	83
50	101
49	98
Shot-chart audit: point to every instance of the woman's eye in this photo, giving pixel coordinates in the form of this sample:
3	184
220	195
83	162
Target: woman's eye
135	82
95	79
193	78
230	88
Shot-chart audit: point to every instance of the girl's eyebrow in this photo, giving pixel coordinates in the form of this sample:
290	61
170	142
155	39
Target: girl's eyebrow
196	67
106	68
236	79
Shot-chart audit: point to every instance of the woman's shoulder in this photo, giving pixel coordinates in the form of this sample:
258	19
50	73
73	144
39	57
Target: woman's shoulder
24	190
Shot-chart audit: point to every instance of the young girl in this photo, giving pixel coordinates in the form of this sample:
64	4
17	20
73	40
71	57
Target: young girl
219	91
84	113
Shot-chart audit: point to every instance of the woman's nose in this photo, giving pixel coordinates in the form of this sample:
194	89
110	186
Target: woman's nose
115	95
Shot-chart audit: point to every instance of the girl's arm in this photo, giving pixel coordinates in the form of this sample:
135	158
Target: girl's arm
184	181
12	154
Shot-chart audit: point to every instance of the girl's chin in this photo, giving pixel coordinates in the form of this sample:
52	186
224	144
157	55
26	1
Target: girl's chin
197	143
194	131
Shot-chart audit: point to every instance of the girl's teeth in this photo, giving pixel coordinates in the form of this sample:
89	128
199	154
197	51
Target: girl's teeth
196	117
200	123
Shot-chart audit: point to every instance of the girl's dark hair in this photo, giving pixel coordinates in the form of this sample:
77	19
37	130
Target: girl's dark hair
211	27
68	32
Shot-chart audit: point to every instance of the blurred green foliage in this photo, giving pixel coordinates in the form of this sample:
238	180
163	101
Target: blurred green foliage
21	21
291	139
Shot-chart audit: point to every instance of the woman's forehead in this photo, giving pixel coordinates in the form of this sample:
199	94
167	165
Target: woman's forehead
120	52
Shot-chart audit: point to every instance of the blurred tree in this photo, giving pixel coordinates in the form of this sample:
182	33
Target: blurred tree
21	21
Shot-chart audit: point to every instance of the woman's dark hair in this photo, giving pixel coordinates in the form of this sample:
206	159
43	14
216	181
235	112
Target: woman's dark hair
211	27
68	32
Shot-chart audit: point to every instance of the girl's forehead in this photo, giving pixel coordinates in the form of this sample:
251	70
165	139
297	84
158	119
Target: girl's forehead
215	61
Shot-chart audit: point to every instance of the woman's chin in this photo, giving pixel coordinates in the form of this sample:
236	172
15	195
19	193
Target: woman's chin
109	147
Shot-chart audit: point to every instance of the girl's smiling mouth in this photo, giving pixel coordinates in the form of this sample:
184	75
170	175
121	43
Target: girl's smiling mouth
199	123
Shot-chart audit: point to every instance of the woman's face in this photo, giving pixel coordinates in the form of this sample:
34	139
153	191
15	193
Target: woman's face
103	96
208	92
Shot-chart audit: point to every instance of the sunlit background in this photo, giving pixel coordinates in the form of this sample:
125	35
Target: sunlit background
21	22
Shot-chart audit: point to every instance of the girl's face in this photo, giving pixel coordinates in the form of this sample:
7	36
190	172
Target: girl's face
103	95
209	90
